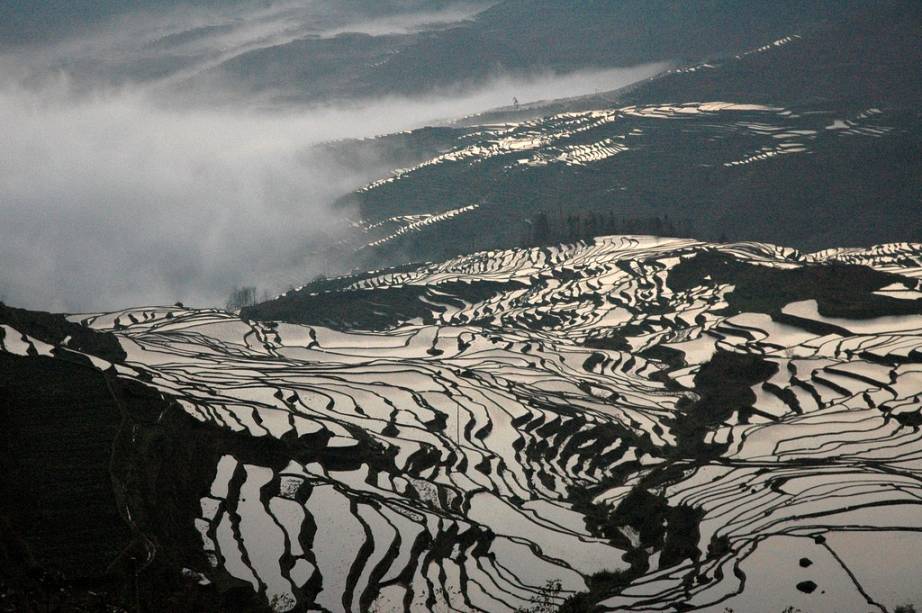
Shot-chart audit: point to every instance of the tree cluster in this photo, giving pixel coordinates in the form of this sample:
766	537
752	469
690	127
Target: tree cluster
241	297
583	225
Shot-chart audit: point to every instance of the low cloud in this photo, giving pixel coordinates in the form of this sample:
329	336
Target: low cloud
112	201
157	44
109	198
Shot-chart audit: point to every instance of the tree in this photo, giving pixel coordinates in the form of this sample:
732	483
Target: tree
241	297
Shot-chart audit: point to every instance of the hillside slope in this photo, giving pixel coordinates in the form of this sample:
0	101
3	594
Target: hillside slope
516	39
654	423
810	139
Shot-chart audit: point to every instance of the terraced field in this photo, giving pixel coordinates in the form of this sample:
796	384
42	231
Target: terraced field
731	147
714	166
657	424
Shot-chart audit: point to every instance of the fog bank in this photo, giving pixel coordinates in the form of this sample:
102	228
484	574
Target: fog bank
110	198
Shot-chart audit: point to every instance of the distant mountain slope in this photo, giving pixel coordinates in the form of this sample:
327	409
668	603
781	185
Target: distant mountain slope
517	38
56	20
652	423
810	139
527	35
862	58
811	177
325	51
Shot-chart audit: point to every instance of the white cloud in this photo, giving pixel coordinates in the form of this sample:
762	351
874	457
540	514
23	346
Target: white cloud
109	199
